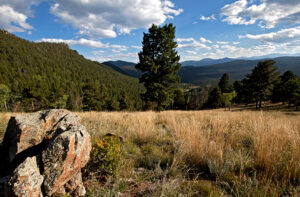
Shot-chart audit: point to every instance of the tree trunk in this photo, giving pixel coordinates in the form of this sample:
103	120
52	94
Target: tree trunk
260	100
5	105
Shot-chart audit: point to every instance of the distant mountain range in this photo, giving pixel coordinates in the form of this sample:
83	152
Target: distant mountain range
206	62
209	61
119	63
209	71
236	70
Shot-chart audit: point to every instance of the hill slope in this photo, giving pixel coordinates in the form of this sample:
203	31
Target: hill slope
206	62
237	69
119	63
41	74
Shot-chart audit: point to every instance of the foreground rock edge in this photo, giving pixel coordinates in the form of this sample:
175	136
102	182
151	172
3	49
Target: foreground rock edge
60	146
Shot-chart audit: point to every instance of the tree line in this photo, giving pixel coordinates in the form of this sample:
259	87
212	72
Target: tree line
263	84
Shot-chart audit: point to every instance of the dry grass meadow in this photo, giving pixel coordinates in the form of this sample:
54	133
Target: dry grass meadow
192	153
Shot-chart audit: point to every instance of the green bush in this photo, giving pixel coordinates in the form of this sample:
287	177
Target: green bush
105	157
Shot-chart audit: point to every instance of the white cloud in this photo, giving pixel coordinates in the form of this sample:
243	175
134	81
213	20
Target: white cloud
137	47
99	52
195	45
191	52
235	43
208	18
104	18
204	40
222	42
119	47
267	13
281	36
12	20
82	42
116	56
192	43
184	39
14	14
88	43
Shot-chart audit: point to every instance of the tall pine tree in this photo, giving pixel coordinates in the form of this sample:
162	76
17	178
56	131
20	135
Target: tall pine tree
159	62
224	84
262	80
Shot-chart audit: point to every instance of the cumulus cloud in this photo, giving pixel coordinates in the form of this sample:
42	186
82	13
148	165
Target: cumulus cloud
193	43
92	18
99	52
14	14
136	47
191	52
204	40
208	18
267	13
222	42
281	36
106	18
12	20
114	56
88	43
184	39
82	42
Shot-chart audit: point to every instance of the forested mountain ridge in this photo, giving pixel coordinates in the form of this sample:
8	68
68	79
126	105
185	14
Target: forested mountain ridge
210	74
237	70
51	75
206	62
119	63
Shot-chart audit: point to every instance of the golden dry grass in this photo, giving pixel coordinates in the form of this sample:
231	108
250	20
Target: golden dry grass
242	152
221	144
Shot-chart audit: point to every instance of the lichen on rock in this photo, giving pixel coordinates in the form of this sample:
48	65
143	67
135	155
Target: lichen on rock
44	153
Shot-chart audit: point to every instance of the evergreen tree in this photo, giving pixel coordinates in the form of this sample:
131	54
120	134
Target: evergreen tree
262	80
159	63
224	84
215	98
280	92
125	103
238	88
293	92
179	99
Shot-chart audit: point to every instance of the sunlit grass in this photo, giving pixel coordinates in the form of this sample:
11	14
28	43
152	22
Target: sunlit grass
203	153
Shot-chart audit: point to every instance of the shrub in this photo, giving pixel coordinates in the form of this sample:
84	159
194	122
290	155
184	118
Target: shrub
105	157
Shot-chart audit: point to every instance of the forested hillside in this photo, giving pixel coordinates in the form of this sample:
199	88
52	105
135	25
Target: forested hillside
37	76
236	70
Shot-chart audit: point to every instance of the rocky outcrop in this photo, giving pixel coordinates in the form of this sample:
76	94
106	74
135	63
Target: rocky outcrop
26	179
44	153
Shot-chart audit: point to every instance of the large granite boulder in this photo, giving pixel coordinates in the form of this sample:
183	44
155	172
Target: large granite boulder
44	154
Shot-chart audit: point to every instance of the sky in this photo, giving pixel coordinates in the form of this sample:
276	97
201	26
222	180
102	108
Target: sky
104	30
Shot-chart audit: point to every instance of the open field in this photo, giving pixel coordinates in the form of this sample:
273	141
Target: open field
195	153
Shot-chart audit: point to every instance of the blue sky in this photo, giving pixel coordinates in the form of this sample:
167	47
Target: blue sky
113	29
